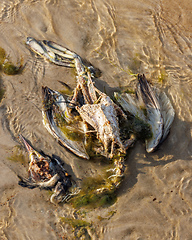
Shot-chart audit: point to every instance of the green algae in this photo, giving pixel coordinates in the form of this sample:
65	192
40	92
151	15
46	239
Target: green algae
2	55
80	227
162	76
76	223
7	66
141	129
18	156
130	91
69	129
90	197
108	217
71	134
10	69
135	63
134	126
2	90
66	92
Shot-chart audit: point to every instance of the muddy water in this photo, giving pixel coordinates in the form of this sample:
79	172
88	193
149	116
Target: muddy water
119	38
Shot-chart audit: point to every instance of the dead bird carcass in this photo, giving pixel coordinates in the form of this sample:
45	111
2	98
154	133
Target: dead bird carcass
64	126
97	112
90	112
47	172
151	106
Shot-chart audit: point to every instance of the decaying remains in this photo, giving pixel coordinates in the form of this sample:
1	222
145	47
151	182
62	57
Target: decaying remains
151	106
73	121
57	120
97	112
47	173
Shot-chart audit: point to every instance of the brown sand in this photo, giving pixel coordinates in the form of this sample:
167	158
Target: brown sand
150	37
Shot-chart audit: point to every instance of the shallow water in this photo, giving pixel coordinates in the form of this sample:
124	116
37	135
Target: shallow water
119	38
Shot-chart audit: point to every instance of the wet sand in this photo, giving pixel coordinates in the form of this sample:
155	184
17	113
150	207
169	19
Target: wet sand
119	38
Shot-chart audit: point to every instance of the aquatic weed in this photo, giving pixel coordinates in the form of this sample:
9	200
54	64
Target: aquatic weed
10	69
135	63
2	90
108	217
70	132
135	126
75	223
17	155
141	129
66	91
130	91
162	76
79	226
2	55
7	66
90	196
